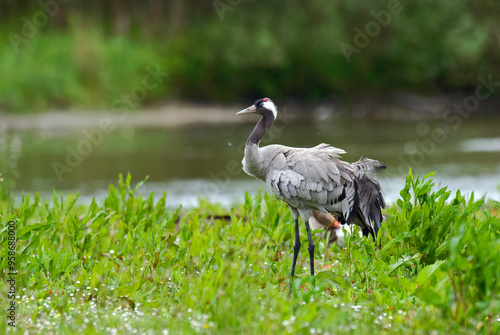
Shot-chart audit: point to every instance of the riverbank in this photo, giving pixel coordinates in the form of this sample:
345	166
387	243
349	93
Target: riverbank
169	115
395	106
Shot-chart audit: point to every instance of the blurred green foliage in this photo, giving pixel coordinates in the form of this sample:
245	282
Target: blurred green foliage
89	53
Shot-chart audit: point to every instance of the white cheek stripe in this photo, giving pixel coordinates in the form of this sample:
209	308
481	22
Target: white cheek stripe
272	107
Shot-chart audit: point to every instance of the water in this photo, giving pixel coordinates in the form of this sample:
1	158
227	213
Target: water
205	160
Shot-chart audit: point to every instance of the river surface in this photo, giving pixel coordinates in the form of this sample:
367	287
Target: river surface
204	160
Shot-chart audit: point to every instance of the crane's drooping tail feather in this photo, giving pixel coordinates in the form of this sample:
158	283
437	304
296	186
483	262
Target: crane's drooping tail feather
371	202
369	196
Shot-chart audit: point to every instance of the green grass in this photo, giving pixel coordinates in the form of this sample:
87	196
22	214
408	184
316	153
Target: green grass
129	263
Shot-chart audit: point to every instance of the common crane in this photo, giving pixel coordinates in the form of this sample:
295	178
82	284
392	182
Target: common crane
314	178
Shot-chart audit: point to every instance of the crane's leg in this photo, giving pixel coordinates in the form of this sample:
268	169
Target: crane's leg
310	248
296	247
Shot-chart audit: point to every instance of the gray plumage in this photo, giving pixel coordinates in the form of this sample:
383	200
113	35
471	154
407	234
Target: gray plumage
314	178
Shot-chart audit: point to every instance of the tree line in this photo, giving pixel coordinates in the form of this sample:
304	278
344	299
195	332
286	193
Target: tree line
229	49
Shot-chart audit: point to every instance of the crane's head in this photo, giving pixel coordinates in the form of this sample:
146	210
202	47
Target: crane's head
262	106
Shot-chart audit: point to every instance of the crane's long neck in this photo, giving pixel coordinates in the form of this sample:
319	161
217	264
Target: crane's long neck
252	162
260	129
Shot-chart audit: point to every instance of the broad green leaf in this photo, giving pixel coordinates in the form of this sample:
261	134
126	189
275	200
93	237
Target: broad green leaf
72	203
327	276
267	231
403	261
71	266
139	184
398	238
407	285
430	296
32	245
429	175
23	233
427	272
385	280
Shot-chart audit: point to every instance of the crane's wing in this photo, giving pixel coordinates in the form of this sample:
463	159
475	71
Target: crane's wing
314	177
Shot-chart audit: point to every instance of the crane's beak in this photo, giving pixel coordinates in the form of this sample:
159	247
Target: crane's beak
250	109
